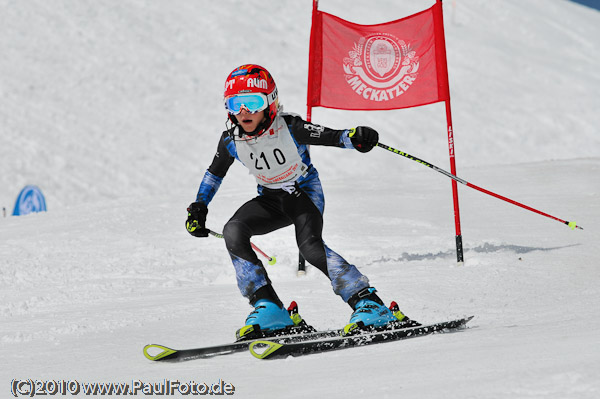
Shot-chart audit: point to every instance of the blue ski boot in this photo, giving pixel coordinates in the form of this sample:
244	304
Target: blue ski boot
370	314
269	316
268	319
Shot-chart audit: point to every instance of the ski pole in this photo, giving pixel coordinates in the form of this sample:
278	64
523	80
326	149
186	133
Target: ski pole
572	225
301	265
271	260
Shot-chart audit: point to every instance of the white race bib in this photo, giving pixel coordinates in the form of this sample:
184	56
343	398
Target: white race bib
272	157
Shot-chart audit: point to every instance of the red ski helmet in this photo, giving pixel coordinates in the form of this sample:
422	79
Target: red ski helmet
252	79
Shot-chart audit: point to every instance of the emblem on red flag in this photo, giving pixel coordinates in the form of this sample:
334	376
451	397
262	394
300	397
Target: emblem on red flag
380	67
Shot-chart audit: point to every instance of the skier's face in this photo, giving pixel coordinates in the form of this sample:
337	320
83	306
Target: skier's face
248	121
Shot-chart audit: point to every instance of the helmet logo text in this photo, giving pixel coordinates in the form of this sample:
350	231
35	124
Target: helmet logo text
256	82
229	84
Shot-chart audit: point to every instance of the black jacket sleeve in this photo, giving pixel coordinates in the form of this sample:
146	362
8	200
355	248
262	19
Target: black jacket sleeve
309	133
216	171
223	158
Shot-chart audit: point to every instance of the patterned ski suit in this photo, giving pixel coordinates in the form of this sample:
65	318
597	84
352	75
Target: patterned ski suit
289	192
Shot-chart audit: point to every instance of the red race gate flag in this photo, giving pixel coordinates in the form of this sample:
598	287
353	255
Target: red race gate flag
398	64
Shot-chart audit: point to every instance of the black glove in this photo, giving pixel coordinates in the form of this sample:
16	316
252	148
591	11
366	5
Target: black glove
195	223
364	138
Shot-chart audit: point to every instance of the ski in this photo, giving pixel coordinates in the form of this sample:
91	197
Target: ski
271	349
161	353
245	336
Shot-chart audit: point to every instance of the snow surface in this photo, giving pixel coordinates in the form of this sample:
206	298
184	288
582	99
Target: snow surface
114	110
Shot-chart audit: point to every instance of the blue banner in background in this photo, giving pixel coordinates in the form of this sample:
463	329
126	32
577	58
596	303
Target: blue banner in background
30	200
590	3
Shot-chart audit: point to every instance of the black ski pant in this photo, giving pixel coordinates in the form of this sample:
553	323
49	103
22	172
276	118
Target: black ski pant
273	210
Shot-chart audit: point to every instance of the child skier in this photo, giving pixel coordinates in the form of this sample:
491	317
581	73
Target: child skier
274	147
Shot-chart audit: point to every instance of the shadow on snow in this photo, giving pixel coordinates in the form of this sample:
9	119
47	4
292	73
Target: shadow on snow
484	248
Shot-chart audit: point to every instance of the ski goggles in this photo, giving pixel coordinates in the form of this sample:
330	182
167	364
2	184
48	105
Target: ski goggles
252	103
